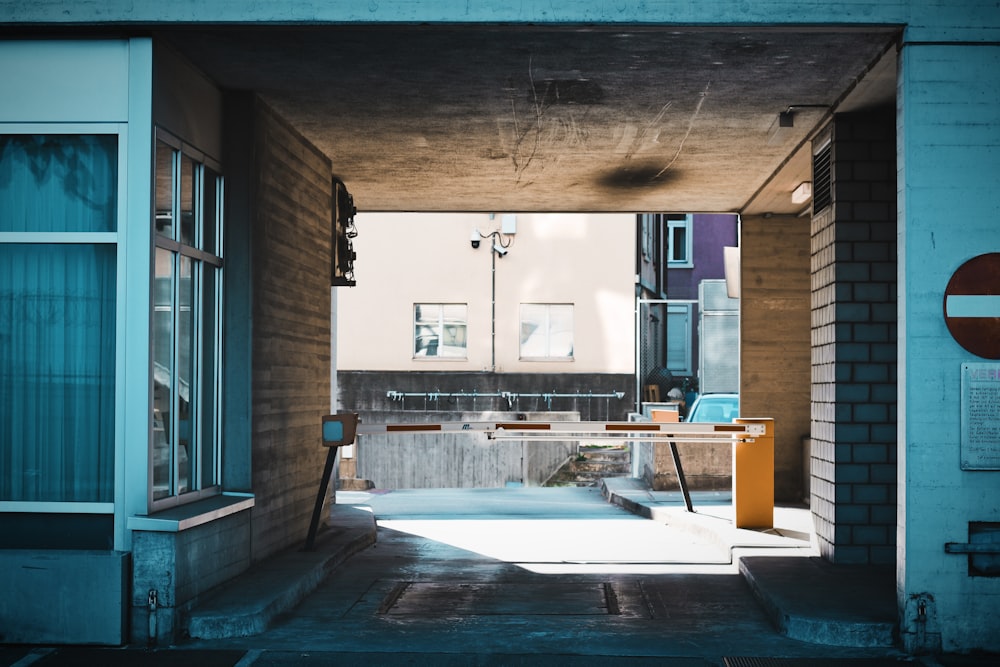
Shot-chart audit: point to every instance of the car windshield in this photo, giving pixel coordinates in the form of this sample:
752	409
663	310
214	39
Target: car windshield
715	409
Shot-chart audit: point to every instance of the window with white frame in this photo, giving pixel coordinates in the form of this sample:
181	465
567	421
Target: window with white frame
59	215
546	331
187	324
679	335
679	241
439	330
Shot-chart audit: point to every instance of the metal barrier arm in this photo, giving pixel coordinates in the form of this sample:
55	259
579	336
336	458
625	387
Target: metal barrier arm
669	432
563	430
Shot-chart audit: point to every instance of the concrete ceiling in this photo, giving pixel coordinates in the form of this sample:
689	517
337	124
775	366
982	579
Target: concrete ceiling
473	118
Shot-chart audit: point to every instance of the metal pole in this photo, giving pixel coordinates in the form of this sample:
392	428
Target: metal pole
681	480
493	306
638	368
331	455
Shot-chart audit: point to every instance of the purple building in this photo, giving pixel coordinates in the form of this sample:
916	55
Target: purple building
675	253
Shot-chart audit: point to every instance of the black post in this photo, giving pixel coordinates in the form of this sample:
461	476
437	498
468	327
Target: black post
331	456
679	469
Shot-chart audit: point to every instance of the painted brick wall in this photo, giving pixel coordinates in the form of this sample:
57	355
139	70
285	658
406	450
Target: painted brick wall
854	346
291	330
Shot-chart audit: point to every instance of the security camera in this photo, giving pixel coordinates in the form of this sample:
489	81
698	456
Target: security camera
474	238
499	249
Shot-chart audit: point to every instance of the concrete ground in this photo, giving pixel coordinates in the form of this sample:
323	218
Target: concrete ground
533	576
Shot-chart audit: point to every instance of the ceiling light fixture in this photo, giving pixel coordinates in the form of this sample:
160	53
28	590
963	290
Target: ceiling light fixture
781	128
802	193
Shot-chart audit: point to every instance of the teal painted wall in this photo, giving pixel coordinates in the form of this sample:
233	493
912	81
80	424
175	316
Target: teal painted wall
949	206
968	20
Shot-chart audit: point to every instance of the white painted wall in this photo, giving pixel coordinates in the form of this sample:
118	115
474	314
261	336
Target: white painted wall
406	258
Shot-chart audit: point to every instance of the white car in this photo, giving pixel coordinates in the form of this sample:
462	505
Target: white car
715	408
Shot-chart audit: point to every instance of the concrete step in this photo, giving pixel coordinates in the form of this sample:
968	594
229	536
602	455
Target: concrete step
247	604
598	466
605	454
591	465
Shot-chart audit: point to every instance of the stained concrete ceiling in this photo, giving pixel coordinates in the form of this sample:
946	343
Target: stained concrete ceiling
473	118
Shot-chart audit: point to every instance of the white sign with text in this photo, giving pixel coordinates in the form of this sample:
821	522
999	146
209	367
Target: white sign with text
981	416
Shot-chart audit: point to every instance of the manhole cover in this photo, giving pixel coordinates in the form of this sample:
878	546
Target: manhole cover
516	599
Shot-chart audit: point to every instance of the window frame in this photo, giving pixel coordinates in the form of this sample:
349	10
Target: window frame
548	332
674	259
440	330
116	239
200	262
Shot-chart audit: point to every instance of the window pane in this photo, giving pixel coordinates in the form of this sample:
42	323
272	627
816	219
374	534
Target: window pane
546	331
678	244
678	339
209	384
163	367
164	190
57	372
440	330
209	213
453	329
188	174
58	183
560	331
187	377
425	335
533	333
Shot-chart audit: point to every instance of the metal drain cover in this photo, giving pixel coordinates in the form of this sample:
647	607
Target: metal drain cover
431	599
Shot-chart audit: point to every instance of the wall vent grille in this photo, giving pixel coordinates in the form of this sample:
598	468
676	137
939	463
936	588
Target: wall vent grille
822	190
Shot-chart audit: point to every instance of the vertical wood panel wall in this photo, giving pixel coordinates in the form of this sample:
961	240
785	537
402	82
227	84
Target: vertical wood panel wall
291	330
775	338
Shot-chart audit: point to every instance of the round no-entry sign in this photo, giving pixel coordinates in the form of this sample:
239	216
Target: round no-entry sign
972	305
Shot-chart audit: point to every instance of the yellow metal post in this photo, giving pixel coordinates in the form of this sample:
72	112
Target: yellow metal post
753	478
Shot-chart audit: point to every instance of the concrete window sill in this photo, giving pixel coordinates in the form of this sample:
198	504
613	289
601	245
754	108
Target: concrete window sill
185	517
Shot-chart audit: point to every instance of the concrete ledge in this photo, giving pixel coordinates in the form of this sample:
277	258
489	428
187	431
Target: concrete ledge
811	600
192	515
629	493
246	605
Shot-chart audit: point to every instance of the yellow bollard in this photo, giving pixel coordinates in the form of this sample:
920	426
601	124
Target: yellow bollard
753	477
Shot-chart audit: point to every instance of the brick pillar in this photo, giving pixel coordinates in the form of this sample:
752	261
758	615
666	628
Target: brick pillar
853	486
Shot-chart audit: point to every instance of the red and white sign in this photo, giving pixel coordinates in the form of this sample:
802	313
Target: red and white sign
972	305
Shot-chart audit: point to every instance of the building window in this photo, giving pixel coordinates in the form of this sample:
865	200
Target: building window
59	211
679	246
439	330
187	330
648	223
679	335
546	331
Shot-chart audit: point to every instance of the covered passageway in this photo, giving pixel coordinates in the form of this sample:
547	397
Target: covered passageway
855	140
